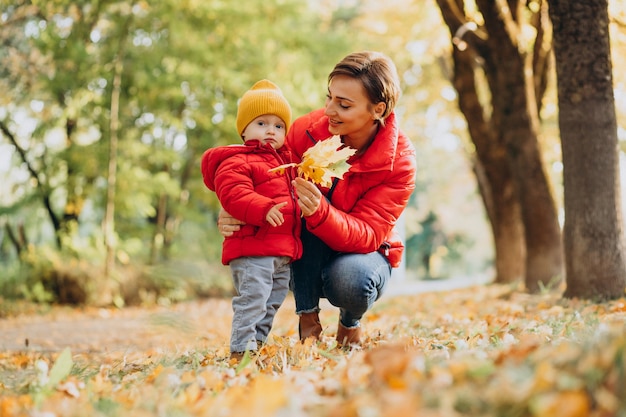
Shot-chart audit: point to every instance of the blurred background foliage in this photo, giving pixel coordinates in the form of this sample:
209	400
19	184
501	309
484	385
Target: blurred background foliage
182	66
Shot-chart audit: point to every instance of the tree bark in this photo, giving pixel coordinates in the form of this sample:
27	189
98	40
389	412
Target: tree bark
495	182
593	230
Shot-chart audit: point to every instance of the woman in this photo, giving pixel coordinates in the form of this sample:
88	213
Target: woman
349	241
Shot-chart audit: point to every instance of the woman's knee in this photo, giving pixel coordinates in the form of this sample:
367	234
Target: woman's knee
350	287
355	279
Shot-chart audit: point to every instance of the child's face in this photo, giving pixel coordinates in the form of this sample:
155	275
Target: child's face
267	128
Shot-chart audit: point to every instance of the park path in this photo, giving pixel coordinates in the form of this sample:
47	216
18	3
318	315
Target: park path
140	329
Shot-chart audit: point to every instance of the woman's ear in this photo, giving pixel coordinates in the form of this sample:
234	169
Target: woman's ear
379	110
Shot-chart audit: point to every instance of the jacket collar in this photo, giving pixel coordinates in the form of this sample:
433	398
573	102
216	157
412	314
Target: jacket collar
380	155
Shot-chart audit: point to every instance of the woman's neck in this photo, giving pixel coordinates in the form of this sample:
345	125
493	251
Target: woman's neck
361	142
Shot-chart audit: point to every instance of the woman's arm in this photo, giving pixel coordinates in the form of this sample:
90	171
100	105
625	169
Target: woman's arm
369	221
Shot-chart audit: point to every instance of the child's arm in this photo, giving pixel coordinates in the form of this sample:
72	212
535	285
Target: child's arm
235	189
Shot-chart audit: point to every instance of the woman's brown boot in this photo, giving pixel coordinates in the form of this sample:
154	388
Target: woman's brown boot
347	336
310	326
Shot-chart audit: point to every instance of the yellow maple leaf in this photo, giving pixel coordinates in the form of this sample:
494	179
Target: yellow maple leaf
281	168
322	162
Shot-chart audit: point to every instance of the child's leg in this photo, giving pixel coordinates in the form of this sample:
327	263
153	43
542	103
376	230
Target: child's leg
252	277
280	288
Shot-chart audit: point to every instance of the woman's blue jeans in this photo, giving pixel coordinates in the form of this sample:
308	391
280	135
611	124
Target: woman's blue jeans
350	281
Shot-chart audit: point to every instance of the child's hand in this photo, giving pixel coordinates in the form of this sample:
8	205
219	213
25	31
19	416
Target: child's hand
274	216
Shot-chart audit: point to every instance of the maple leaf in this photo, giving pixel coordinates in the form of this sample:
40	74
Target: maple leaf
281	168
322	162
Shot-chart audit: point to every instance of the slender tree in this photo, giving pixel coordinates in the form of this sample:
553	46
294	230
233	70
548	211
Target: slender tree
114	127
593	230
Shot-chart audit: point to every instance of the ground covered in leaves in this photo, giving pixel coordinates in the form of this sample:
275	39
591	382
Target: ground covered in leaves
480	351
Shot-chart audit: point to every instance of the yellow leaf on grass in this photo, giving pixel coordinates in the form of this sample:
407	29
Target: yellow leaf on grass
562	404
154	374
14	406
21	360
389	365
545	377
264	396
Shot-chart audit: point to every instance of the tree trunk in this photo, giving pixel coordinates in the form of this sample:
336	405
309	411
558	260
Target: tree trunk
109	217
495	182
19	240
516	120
41	185
515	188
503	212
158	237
514	107
593	230
74	200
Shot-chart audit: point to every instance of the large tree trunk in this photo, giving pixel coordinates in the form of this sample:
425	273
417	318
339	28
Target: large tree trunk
495	182
516	120
593	230
515	189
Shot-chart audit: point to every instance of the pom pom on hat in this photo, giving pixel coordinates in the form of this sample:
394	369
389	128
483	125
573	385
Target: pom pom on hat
263	98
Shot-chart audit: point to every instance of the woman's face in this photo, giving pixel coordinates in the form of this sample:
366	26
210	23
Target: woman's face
350	113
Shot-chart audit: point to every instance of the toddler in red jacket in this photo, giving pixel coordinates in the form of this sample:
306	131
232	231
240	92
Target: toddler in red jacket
260	254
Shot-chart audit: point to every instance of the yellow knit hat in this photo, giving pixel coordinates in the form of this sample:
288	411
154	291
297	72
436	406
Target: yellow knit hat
263	98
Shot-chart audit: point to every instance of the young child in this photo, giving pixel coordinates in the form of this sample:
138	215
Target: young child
260	254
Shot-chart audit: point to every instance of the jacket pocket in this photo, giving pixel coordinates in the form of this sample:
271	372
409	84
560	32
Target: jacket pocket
261	232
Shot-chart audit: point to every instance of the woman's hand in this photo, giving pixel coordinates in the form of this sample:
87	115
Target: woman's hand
227	224
309	196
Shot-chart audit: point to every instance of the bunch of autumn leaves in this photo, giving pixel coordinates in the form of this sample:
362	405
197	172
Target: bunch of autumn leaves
326	160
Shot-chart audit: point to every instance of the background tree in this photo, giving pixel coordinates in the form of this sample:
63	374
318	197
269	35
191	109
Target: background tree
494	55
593	230
412	34
179	77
